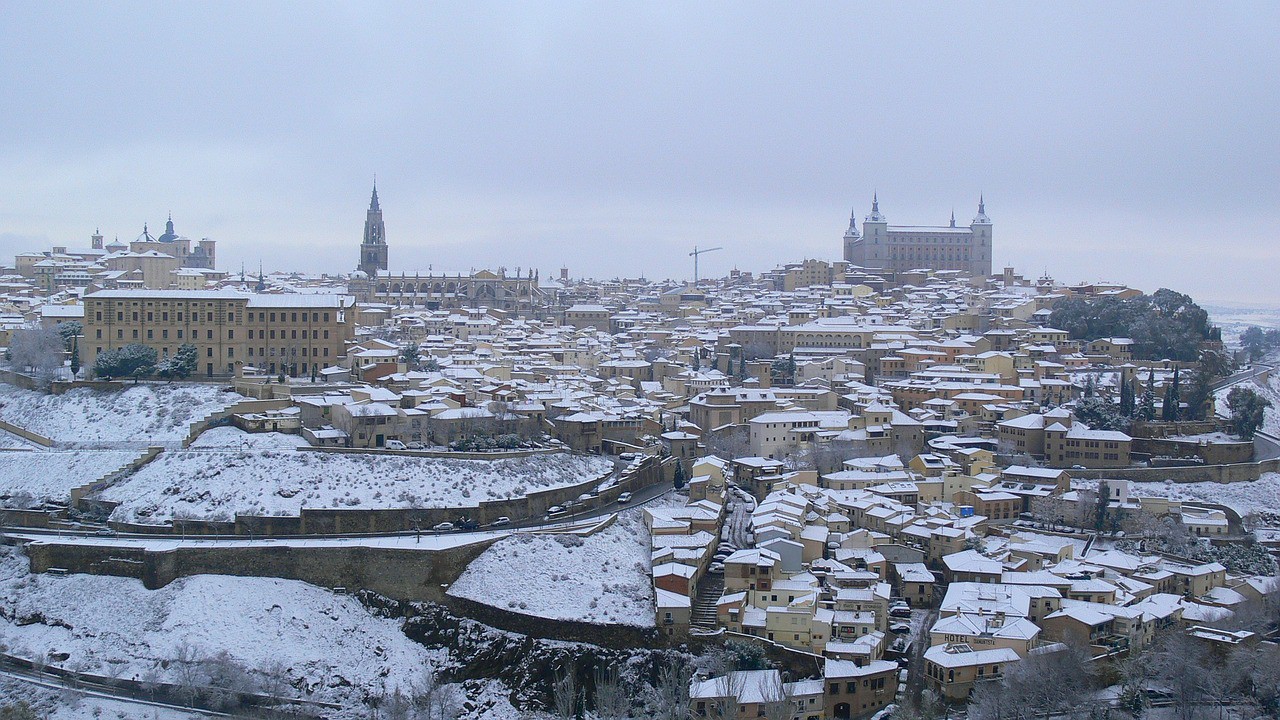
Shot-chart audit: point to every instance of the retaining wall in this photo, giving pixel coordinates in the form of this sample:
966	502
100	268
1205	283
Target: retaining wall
1236	472
22	432
399	573
108	479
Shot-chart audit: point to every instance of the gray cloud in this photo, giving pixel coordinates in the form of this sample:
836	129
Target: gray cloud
1110	142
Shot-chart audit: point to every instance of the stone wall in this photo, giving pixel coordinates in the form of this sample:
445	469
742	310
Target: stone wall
218	417
1237	472
399	573
22	432
1216	453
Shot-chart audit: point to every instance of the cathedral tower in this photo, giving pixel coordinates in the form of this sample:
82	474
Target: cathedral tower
373	249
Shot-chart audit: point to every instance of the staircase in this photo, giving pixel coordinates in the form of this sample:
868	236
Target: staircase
703	614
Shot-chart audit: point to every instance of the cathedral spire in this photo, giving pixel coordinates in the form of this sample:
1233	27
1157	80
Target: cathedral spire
953	217
373	201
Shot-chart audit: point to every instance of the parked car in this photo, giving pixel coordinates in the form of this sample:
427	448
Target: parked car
716	568
555	510
468	525
504	520
627	456
396	445
624	498
416	446
900	609
899	628
444	527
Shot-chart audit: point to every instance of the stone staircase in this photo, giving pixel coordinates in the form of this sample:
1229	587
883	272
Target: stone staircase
703	614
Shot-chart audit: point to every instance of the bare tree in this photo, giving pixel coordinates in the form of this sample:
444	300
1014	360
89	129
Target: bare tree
39	351
612	699
670	697
432	699
728	691
778	703
188	668
564	692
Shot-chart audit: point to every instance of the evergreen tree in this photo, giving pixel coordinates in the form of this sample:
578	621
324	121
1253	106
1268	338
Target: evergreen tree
742	367
1200	396
1248	410
1126	399
1169	413
1147	408
136	361
75	358
678	478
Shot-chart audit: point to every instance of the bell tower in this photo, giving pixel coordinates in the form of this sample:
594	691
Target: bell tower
373	248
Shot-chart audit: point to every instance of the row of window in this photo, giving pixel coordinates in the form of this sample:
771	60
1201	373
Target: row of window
209	316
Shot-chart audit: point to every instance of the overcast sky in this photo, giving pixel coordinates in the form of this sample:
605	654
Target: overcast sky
1138	144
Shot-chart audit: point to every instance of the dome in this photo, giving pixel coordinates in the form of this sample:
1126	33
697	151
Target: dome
169	235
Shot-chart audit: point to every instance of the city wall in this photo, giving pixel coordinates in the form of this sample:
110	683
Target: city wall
399	573
1231	473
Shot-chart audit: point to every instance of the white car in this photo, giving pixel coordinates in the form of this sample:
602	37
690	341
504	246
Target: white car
443	527
504	520
396	445
624	498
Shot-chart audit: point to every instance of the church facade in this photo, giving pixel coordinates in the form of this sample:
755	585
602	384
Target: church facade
899	248
435	289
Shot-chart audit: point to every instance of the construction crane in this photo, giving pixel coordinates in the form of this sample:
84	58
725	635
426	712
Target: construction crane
696	252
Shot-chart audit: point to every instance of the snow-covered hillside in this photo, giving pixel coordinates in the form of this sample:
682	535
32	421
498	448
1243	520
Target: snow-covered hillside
30	478
143	413
604	578
329	646
218	484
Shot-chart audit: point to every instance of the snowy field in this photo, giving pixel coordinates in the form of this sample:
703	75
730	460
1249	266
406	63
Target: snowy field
30	478
1243	497
142	413
226	437
329	647
218	484
604	578
1235	318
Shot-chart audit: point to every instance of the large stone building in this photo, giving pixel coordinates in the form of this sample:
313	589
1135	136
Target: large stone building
434	289
899	248
293	334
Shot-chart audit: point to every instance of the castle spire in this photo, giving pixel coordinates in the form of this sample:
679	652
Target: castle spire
953	217
875	202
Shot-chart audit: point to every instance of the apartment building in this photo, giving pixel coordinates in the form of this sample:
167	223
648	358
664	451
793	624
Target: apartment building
293	334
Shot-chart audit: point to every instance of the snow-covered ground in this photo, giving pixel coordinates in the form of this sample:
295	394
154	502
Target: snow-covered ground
218	484
1235	318
329	646
154	413
1244	497
604	578
227	437
30	478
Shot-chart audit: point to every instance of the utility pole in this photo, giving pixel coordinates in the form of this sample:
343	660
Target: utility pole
696	252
